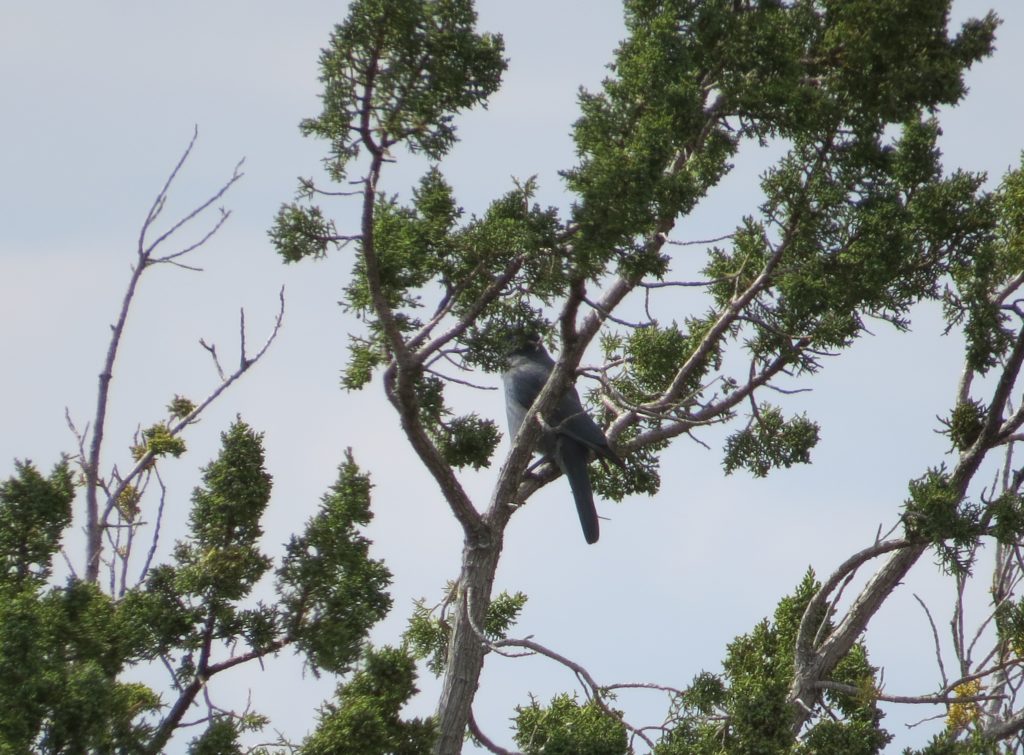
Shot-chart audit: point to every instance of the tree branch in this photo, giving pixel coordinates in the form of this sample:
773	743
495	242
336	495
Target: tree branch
95	522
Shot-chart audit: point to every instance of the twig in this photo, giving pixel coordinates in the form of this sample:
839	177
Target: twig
458	381
935	638
700	242
943	699
156	529
245	363
594	690
485	740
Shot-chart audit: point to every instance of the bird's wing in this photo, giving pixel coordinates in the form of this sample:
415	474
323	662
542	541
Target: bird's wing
523	381
570	418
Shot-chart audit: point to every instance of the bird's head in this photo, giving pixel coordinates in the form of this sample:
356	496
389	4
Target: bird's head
524	341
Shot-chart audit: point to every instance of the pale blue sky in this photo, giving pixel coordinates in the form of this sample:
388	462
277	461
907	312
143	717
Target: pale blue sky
100	99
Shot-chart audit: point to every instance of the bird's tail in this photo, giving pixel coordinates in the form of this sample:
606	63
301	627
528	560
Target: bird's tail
571	457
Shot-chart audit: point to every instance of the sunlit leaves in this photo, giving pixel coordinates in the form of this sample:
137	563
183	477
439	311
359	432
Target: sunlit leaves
180	407
649	150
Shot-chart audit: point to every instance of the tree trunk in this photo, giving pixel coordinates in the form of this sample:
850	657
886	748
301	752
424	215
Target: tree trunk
466	648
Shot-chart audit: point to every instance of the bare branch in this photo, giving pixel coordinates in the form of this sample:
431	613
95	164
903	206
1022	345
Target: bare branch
147	458
944	699
212	348
701	242
618	321
594	690
677	284
485	740
935	637
488	295
171	258
468	384
146	250
156	529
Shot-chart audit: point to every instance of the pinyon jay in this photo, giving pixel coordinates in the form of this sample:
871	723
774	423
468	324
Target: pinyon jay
570	437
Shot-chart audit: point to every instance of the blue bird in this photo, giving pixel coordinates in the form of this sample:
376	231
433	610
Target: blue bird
570	438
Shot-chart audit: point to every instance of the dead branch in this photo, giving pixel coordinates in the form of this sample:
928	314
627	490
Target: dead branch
90	462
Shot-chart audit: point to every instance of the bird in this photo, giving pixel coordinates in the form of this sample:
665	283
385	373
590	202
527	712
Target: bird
570	437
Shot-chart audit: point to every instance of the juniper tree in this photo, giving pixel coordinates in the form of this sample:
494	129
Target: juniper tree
72	650
859	222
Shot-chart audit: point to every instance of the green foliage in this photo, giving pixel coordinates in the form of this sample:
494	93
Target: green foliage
758	667
978	276
567	728
846	737
220	560
299	232
220	738
502	614
427	634
641	473
34	511
469	441
466	441
965	424
365	719
160	441
413	65
160	613
855	224
863	235
655	354
946	743
406	258
128	503
1009	617
937	513
180	407
331	591
791	70
770	441
64	649
1007	513
427	637
705	693
1009	201
747	709
364	358
61	650
416	62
